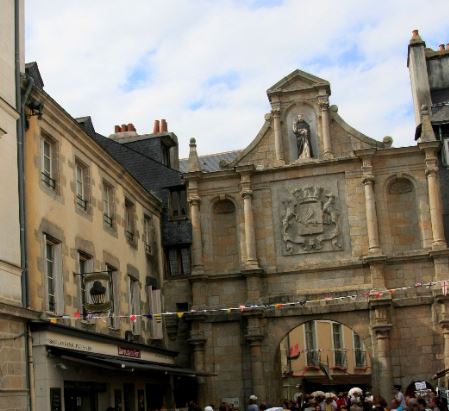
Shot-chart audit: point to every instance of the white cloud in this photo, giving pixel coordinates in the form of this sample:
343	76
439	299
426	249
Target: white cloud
87	51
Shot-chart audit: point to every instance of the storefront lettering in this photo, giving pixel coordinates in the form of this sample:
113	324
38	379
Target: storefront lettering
128	352
69	344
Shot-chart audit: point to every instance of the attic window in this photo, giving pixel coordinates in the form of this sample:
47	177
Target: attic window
177	206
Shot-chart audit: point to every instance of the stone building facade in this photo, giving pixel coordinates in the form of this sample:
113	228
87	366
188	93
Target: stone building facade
313	221
94	241
14	337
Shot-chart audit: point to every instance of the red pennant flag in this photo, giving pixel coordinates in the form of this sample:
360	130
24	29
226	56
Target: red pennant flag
293	352
133	317
444	285
77	314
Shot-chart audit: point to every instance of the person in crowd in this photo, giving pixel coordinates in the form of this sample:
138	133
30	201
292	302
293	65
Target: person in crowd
252	404
397	393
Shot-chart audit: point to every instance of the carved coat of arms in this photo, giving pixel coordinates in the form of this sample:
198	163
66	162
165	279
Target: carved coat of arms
310	221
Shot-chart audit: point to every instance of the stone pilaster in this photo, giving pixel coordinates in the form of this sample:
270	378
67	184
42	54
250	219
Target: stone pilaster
254	337
250	233
381	326
198	343
430	149
368	180
279	149
323	102
195	218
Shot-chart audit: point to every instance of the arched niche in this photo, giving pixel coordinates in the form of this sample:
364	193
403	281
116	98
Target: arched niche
224	235
403	214
310	118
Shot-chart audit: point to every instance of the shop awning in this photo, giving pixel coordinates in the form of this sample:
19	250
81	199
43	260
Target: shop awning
124	365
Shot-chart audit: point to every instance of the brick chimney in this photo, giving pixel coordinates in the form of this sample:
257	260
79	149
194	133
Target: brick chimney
156	127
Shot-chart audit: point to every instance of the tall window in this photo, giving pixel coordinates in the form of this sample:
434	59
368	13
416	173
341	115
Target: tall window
313	357
178	203
359	352
339	352
108	204
134	304
114	297
129	221
85	262
53	275
148	234
178	261
82	178
48	160
154	307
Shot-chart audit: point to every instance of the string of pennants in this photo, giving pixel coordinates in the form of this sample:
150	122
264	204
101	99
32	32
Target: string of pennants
444	284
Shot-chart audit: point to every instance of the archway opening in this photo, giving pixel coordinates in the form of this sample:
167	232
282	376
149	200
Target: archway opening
323	355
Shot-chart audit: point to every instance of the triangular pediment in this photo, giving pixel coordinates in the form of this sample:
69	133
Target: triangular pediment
298	81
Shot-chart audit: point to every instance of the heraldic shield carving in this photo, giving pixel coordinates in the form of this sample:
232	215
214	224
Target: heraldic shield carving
310	221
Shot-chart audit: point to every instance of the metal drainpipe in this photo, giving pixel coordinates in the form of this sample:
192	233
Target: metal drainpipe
20	107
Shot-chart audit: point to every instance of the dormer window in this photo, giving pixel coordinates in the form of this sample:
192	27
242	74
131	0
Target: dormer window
177	206
165	155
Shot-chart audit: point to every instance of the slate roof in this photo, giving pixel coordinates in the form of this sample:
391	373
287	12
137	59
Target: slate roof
210	163
153	176
440	114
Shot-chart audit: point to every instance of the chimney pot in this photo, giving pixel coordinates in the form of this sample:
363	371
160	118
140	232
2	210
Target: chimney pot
131	127
442	48
156	127
117	129
124	127
415	33
163	125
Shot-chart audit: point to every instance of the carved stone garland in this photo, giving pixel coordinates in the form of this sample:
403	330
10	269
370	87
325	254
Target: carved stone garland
310	221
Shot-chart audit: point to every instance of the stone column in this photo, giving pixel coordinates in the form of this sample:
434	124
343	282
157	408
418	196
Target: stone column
250	233
279	149
255	337
323	102
370	201
385	378
197	242
430	150
198	342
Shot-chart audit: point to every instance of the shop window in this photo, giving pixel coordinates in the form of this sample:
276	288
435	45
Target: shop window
177	204
81	185
108	205
48	162
134	304
53	275
178	261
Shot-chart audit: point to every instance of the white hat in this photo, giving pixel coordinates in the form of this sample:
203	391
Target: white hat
251	397
208	408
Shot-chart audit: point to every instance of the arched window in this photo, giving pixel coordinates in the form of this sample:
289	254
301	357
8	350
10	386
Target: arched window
224	236
403	215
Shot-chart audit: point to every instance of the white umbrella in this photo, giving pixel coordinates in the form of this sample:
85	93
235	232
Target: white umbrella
275	409
318	394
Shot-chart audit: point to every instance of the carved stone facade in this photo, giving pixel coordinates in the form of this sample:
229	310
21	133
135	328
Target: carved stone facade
342	236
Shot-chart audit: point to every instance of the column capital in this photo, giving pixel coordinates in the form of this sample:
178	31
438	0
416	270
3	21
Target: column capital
247	194
382	331
368	179
254	339
194	200
431	169
323	103
276	112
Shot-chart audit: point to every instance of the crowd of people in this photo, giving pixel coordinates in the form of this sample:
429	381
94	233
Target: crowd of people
354	400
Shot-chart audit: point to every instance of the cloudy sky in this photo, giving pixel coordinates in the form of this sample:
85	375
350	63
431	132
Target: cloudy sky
205	65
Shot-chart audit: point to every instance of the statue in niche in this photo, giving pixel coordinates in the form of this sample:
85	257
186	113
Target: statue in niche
301	129
310	221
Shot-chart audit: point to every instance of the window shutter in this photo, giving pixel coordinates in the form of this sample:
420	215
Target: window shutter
156	297
116	298
59	282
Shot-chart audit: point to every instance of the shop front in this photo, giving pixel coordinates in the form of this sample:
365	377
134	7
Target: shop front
76	370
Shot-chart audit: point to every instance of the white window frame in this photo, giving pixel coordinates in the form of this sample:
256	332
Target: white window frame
114	296
81	177
48	174
108	204
134	304
154	307
55	276
130	222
